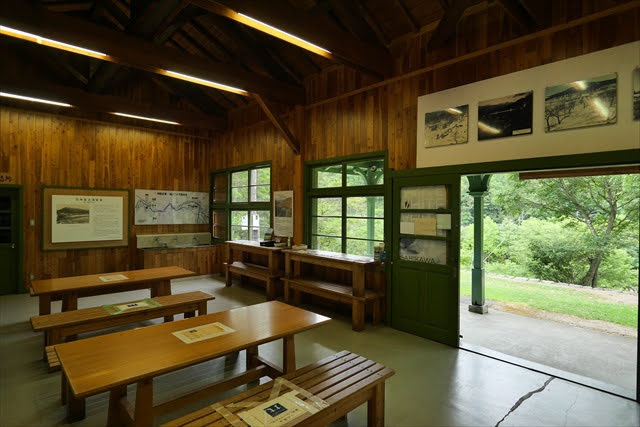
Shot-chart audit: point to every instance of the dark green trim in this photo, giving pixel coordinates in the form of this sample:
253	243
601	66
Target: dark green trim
86	188
342	192
21	278
606	158
228	206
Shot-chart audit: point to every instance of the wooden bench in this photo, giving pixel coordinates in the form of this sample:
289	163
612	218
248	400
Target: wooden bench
333	387
258	272
245	250
57	326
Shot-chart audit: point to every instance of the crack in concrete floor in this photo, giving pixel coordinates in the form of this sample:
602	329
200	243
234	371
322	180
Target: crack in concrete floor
525	397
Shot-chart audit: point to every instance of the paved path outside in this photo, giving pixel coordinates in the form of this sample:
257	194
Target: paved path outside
605	357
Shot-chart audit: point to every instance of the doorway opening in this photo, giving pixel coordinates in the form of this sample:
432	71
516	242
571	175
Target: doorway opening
549	272
10	239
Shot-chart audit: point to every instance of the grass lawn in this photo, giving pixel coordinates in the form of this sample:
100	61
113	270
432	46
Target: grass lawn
552	298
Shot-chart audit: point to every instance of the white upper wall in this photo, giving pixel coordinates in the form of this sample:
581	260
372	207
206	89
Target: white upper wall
625	134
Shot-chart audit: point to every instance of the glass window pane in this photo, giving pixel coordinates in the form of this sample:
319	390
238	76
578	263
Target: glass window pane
240	194
370	172
261	219
428	197
220	188
240	179
361	247
261	193
239	218
365	207
332	244
256	234
261	176
326	176
326	226
422	250
372	229
239	233
327	206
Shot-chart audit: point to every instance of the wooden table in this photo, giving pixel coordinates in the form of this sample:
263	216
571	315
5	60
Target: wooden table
269	273
354	293
105	363
68	289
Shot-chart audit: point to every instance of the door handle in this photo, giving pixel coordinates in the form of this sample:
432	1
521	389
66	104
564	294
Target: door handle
13	246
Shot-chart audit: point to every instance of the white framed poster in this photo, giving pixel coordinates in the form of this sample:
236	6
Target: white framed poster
283	213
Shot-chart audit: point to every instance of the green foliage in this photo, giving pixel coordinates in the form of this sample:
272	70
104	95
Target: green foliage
618	271
554	298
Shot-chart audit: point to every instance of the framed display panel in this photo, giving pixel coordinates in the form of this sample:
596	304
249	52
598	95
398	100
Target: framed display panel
84	218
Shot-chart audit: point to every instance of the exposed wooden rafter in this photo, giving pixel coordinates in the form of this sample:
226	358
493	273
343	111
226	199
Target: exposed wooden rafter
447	26
518	14
135	52
342	46
108	104
279	124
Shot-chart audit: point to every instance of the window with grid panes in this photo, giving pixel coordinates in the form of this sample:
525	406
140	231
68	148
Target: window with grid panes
241	203
346	202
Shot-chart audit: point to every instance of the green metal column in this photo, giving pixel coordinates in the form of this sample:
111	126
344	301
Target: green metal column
478	186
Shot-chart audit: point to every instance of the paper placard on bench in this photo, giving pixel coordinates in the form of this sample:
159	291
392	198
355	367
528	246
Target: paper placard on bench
131	306
202	332
281	411
113	278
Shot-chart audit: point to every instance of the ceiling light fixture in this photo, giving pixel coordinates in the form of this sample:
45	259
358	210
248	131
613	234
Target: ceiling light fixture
204	82
151	119
29	98
282	35
12	32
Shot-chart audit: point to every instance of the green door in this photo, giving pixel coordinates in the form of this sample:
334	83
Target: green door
426	253
9	240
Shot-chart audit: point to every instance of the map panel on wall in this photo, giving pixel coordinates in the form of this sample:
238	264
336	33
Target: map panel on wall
447	127
506	116
581	103
154	207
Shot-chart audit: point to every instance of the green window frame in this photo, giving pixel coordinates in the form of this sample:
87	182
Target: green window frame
341	196
237	193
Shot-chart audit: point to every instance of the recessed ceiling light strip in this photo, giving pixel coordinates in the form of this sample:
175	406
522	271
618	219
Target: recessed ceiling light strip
29	98
151	119
204	82
51	43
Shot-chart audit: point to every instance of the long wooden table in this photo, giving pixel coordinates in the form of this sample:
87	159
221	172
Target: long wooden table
105	363
68	289
242	250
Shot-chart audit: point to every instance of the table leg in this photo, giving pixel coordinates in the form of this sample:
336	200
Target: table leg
144	403
202	308
45	304
161	289
76	408
252	354
375	407
289	354
63	388
114	416
70	302
357	315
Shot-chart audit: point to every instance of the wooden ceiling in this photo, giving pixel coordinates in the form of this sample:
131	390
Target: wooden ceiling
142	36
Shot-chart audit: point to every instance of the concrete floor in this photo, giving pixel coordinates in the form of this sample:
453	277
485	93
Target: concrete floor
608	358
434	384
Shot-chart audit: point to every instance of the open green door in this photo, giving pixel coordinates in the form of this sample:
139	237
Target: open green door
10	228
426	254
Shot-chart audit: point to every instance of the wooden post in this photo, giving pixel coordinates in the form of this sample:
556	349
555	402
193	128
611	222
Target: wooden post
357	314
252	354
375	407
144	403
44	302
114	415
70	301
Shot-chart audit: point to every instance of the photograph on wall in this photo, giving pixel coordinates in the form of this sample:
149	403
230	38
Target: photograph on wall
77	218
283	213
155	207
447	127
505	116
636	93
581	103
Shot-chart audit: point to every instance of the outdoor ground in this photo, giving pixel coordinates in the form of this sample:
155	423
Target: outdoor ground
557	325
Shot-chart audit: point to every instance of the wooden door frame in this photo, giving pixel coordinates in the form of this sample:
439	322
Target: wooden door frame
20	288
601	159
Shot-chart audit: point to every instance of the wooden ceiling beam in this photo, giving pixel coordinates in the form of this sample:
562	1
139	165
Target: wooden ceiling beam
447	26
518	14
138	53
108	104
282	127
407	14
373	24
343	47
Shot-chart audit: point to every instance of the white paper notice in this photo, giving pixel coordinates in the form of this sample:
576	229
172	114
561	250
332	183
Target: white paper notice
203	332
406	227
113	278
443	221
86	218
281	411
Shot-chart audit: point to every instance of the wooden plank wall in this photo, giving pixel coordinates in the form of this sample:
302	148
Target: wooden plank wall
39	149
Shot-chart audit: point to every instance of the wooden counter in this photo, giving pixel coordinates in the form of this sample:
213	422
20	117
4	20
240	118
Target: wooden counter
248	259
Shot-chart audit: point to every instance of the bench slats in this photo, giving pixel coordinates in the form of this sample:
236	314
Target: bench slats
343	379
74	317
322	288
252	270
